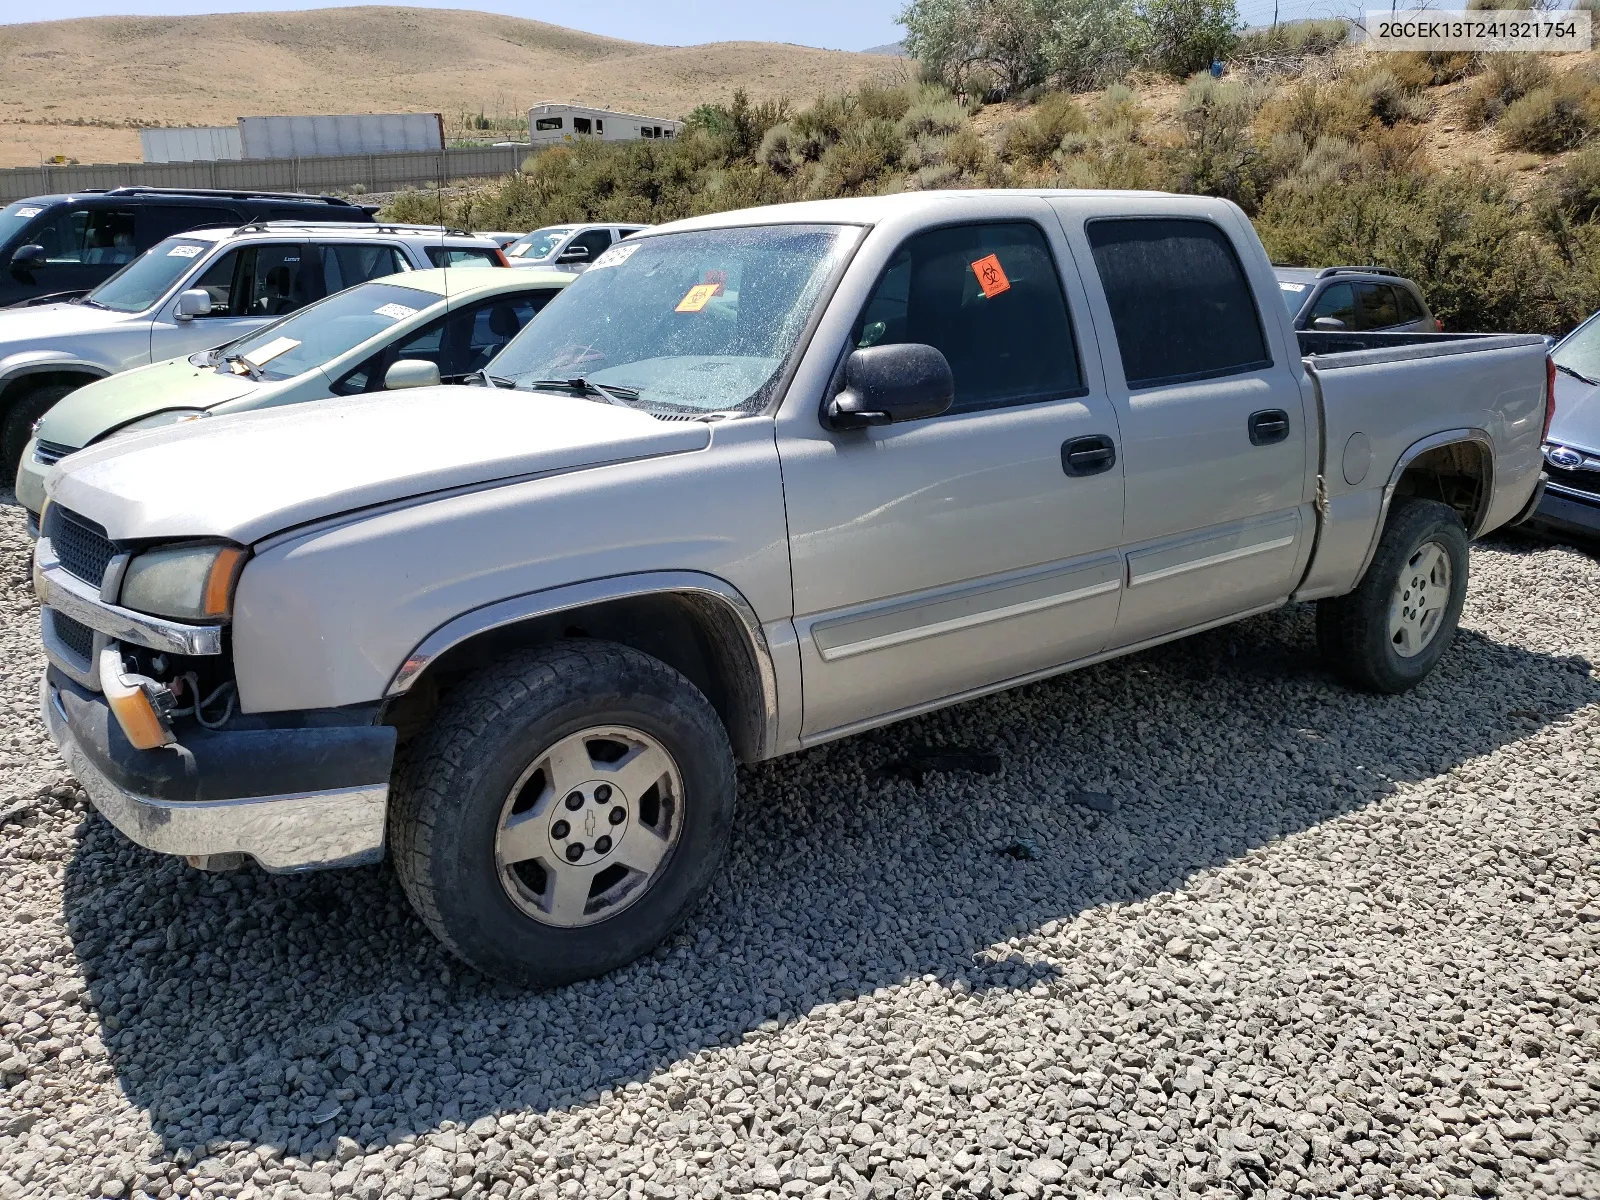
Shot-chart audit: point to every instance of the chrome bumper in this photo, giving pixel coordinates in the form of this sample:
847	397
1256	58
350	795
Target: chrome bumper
343	827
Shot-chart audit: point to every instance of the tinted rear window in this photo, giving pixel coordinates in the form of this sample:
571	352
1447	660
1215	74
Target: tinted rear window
1180	304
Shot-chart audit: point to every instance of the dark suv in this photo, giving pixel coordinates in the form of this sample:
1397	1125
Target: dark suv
61	246
1354	299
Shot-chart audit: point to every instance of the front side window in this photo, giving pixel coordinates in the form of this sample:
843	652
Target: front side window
701	321
143	282
543	123
989	299
279	282
1338	302
88	237
595	241
1180	304
321	332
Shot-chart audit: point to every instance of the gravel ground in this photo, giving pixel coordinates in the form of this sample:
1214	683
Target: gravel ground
1323	944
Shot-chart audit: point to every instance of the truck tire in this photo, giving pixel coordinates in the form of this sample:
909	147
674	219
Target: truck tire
16	425
1388	634
563	812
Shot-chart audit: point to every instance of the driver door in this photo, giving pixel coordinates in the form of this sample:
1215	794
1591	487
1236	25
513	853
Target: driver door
250	286
940	556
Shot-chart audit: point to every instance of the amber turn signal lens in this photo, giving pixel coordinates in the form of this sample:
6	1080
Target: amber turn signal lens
132	708
220	580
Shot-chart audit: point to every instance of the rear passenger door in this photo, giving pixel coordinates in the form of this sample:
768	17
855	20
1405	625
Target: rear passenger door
1213	431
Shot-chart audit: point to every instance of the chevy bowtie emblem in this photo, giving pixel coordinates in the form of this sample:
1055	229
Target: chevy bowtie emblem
588	824
1561	456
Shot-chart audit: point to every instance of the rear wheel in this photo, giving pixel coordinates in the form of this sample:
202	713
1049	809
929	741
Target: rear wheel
564	812
17	426
1388	634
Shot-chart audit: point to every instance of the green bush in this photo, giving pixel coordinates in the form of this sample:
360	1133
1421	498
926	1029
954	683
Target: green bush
1478	254
1552	118
1575	185
1185	36
1034	139
1219	156
1506	78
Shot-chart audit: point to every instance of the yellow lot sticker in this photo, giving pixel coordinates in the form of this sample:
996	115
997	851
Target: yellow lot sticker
699	296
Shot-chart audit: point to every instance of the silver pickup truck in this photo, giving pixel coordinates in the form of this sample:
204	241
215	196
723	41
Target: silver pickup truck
756	481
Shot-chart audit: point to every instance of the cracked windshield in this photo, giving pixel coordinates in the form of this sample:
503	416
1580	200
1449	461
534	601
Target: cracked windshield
686	322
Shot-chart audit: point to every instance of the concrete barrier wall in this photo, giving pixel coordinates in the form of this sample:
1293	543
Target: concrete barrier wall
373	172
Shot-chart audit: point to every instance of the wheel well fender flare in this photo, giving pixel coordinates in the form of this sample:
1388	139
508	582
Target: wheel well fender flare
1481	442
733	626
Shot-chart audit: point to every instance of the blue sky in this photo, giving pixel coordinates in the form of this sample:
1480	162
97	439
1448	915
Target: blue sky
836	24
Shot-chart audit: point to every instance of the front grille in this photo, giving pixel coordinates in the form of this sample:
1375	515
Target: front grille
80	544
50	453
1580	481
77	638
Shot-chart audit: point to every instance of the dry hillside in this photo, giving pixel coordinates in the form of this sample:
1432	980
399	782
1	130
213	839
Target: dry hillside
82	88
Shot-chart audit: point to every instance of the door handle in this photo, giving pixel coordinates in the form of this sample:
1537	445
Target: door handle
1268	426
1088	455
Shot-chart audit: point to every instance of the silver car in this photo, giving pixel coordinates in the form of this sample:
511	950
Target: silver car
569	247
1354	300
194	291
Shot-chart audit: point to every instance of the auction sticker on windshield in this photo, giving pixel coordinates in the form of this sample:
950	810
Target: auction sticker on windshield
29	211
184	251
614	256
398	311
699	296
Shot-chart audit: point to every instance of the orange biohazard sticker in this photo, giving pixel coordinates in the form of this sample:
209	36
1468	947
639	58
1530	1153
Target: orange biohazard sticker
699	296
991	276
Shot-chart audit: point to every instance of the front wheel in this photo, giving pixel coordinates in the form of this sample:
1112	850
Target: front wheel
1388	634
564	812
17	422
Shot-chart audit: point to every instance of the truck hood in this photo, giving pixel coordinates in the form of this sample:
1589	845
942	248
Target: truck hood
32	328
245	476
89	412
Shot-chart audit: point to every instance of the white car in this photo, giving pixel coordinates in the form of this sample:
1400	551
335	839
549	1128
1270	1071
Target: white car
569	247
193	291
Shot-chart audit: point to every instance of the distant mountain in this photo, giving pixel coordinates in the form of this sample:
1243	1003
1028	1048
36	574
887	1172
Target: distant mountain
83	87
898	49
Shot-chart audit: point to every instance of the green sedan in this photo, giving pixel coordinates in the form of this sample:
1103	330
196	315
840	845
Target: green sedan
407	330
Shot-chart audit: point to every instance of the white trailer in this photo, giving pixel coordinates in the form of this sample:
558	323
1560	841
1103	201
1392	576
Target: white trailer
195	143
552	124
357	133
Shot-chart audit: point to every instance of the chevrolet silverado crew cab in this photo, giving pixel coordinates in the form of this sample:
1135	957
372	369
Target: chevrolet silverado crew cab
194	291
756	481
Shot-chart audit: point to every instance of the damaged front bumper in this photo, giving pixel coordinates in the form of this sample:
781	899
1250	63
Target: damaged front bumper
293	799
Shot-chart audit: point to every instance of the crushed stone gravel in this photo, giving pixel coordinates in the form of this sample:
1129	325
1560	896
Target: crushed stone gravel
1321	944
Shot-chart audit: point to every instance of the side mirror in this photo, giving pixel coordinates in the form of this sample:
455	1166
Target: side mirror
885	384
1330	324
410	373
1550	341
574	254
196	302
28	258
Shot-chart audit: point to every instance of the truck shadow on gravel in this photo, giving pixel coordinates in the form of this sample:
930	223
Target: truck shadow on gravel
291	1010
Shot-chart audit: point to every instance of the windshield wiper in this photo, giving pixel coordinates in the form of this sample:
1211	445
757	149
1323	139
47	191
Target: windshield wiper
250	368
625	396
1577	374
493	381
